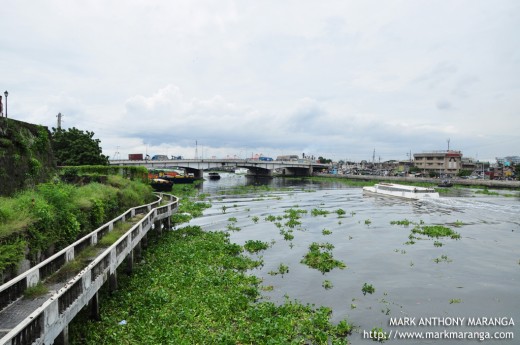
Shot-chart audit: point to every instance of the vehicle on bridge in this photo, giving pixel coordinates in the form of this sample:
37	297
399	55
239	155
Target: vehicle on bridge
160	158
135	156
267	159
287	158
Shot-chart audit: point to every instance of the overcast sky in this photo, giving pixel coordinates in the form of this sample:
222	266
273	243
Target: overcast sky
337	79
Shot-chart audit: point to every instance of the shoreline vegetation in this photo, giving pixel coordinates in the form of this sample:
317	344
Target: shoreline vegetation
192	287
37	222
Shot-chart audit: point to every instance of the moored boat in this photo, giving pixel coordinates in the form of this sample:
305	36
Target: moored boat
214	176
445	183
402	191
241	171
161	185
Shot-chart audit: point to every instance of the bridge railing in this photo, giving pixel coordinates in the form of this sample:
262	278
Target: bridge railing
50	319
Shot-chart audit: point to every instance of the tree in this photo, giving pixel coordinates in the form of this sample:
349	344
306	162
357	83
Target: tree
76	147
324	160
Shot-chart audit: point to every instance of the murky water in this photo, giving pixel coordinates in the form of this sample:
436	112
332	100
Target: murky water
476	276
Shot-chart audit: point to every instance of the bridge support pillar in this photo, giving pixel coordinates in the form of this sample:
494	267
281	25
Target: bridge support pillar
94	307
137	251
130	262
144	241
157	227
112	282
63	337
167	223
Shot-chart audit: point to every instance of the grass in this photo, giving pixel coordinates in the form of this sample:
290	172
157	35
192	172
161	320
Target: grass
35	291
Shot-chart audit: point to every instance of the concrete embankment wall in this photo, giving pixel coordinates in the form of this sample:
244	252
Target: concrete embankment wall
463	182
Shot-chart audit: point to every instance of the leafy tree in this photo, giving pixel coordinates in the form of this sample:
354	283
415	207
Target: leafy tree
324	160
76	147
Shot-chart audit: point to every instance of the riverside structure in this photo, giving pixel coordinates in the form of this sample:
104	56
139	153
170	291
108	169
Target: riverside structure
45	320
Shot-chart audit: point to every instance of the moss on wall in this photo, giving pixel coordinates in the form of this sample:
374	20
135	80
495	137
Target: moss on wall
26	157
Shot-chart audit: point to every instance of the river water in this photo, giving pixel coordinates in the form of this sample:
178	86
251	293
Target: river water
450	286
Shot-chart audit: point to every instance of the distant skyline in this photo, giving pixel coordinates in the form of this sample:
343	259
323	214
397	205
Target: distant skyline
337	79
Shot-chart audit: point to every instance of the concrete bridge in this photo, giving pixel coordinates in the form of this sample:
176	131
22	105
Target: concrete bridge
256	167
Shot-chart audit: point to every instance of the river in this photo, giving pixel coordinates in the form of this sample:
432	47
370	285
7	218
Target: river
450	283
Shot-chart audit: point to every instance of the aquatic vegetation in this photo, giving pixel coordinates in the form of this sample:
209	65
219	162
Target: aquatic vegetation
232	219
270	218
458	224
255	219
327	284
195	282
254	246
282	269
443	258
379	334
436	231
320	257
287	235
292	223
368	222
340	212
224	208
233	228
326	232
437	244
368	288
455	300
404	222
319	212
294	213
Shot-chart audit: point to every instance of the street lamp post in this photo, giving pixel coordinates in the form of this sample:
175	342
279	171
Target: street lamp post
6	94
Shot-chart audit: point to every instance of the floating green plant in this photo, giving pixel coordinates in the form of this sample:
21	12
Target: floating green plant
326	232
455	300
320	257
368	222
436	231
404	222
368	288
232	219
443	258
327	284
254	246
255	219
319	212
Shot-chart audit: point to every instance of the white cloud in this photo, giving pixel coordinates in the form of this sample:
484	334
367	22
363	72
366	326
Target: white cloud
338	78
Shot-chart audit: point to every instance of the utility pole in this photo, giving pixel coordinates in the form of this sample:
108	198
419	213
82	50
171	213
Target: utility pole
448	144
59	116
196	149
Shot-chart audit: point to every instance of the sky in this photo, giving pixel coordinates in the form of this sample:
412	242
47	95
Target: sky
345	80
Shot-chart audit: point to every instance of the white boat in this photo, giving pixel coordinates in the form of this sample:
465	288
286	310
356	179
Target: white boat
402	191
241	171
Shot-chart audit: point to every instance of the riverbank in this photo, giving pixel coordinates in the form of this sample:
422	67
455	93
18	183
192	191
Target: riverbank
461	182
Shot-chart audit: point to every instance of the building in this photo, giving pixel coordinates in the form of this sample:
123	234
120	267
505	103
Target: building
446	162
